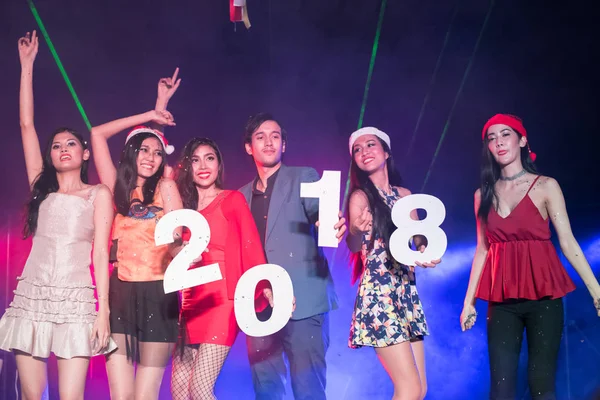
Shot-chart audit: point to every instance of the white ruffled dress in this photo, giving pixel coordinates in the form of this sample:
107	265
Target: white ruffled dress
54	308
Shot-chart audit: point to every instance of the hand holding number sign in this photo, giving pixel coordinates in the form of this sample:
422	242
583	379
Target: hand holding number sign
331	227
178	276
431	264
195	260
339	227
268	293
428	227
282	290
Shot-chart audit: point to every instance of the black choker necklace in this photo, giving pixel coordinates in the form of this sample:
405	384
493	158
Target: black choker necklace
512	178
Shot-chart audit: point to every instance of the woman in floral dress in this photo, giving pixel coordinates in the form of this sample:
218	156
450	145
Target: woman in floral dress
388	314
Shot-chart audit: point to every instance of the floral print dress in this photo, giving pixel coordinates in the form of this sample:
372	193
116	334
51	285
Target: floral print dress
388	310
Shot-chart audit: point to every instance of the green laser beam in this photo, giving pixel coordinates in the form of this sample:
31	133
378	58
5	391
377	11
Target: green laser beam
372	63
363	106
458	93
432	81
36	15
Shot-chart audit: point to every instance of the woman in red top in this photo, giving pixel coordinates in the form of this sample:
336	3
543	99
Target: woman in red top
207	319
516	267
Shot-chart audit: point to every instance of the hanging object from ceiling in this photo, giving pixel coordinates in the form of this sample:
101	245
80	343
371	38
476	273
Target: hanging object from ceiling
238	12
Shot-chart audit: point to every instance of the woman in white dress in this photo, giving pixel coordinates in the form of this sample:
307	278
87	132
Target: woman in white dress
54	308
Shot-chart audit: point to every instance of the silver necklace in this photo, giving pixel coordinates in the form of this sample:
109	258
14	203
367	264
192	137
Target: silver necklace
512	178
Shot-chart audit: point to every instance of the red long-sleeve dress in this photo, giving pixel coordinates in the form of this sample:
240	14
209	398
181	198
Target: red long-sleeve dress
207	314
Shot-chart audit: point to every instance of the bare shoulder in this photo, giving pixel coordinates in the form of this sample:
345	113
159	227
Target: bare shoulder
546	181
102	190
402	191
100	194
359	197
548	186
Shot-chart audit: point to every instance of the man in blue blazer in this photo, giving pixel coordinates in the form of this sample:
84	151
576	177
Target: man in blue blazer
286	222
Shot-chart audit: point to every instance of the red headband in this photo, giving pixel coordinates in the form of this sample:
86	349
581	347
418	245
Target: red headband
508	120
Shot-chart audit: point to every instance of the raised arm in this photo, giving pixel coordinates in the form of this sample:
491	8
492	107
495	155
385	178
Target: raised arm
28	48
103	218
557	210
166	89
100	135
468	315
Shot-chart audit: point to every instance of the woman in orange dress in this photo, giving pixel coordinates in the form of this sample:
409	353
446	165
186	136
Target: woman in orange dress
208	325
143	319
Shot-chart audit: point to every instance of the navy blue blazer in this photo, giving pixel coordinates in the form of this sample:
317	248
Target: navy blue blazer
291	241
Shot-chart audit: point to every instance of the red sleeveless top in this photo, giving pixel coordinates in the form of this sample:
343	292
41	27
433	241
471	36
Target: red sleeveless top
522	262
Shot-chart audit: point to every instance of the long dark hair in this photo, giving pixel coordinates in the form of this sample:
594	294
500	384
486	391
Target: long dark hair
127	174
382	214
184	172
46	182
490	173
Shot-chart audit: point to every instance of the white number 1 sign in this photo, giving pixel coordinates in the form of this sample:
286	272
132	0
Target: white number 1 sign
327	190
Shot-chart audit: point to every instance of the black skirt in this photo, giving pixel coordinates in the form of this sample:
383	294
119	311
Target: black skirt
143	312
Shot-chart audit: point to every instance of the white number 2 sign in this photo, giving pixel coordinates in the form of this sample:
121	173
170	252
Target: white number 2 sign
327	190
178	276
429	227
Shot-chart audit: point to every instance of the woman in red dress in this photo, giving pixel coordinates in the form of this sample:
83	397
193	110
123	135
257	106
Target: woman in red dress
516	267
208	325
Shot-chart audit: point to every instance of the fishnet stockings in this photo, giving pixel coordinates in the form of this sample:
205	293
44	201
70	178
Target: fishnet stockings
195	371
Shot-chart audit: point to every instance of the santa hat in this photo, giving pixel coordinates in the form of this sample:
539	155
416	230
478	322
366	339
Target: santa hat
144	129
512	121
369	131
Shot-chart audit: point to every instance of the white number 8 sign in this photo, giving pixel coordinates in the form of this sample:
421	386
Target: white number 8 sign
437	242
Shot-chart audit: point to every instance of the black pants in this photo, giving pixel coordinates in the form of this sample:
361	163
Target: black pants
543	320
